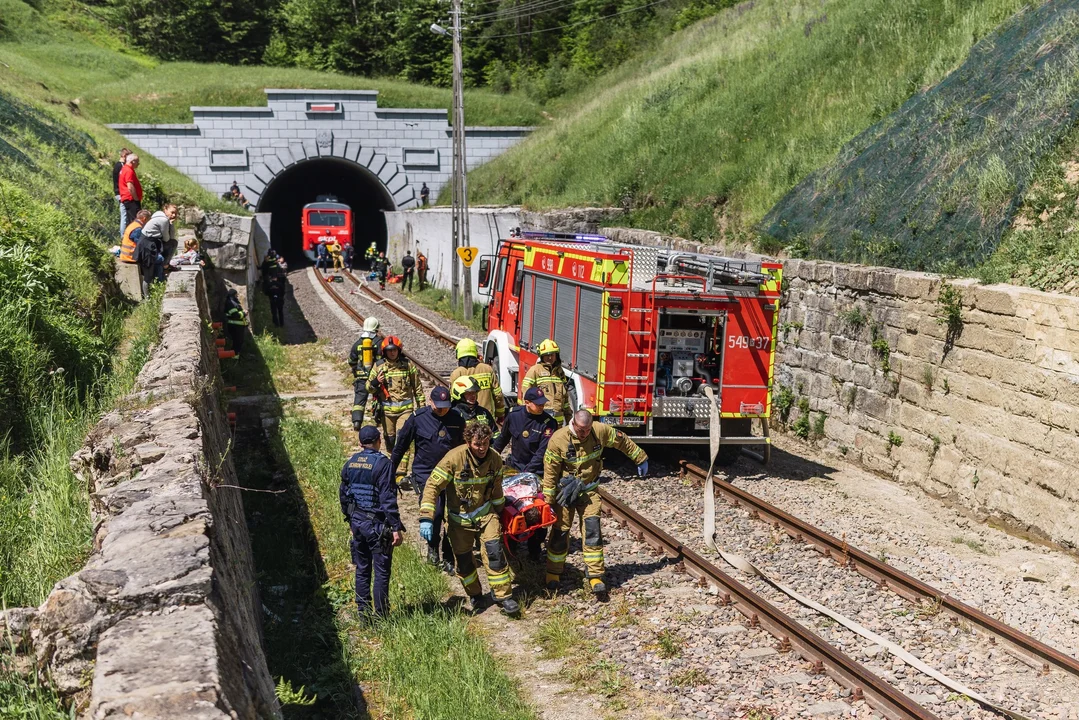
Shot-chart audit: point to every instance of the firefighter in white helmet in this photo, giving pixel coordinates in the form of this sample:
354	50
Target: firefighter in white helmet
549	377
362	359
468	363
571	469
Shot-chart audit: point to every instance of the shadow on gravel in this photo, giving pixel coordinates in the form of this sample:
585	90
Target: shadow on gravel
297	330
299	634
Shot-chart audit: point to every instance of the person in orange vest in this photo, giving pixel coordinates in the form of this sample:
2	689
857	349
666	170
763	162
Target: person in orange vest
421	269
127	245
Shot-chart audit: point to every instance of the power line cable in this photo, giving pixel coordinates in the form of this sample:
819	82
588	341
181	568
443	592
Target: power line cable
530	8
575	24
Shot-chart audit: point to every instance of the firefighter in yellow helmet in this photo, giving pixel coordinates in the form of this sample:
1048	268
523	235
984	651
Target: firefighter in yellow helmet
464	394
571	468
468	363
549	377
471	475
394	393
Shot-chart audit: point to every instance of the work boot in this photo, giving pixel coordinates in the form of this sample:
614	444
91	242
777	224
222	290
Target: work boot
406	483
480	603
598	588
510	607
553	583
432	557
447	567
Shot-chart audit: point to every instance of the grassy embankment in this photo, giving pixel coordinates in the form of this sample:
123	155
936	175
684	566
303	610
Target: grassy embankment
74	50
424	661
701	137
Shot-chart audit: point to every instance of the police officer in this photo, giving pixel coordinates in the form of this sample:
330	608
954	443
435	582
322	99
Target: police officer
435	430
235	321
368	497
464	394
527	431
362	359
571	466
549	377
395	392
471	475
468	364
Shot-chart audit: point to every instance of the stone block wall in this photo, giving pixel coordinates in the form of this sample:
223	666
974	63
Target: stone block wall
985	413
164	620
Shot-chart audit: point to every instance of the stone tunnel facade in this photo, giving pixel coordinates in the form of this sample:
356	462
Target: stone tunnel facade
402	148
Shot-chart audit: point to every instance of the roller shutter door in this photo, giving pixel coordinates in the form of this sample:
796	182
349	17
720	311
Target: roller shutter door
588	329
526	312
565	325
543	303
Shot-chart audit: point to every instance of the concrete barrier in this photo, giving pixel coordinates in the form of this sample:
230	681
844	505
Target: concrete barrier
164	620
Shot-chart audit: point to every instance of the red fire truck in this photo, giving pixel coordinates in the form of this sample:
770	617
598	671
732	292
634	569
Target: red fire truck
325	221
642	331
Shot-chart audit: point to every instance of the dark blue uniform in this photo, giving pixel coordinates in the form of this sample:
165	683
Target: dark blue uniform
527	435
368	496
434	437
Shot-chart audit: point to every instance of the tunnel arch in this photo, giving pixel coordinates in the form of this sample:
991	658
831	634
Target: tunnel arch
369	185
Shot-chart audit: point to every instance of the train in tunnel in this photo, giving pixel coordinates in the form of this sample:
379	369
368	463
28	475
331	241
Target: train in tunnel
324	221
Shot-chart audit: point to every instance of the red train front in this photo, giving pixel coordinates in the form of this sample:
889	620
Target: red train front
323	222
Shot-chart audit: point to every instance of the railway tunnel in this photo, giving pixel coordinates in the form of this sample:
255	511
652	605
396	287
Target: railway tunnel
300	184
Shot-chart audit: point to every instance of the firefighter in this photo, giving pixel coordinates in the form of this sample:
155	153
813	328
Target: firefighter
384	267
468	364
275	285
235	321
421	269
369	503
571	469
436	430
361	359
527	431
471	475
549	377
394	393
371	255
464	393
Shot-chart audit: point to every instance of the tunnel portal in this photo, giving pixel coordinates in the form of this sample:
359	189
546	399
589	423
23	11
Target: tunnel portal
302	183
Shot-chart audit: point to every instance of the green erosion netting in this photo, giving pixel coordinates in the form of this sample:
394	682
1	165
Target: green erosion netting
933	185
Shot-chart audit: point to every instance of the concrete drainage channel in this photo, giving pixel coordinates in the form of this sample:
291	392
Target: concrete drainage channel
163	621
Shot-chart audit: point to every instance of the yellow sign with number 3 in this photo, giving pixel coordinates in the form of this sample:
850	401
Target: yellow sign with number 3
468	255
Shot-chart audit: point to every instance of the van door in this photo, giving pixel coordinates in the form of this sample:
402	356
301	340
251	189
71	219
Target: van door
506	303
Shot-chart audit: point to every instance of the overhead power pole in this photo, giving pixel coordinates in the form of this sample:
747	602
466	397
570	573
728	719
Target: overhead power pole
459	179
461	237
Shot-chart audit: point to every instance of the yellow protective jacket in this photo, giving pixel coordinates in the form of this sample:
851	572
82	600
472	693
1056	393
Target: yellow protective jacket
473	487
554	384
490	394
567	455
396	385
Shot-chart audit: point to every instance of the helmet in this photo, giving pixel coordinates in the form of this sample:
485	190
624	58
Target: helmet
391	341
371	324
462	385
467	348
547	346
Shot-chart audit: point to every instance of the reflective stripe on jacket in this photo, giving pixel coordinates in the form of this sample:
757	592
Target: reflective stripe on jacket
568	455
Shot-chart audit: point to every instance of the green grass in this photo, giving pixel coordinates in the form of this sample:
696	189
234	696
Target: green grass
439	300
703	136
74	52
45	524
559	635
22	695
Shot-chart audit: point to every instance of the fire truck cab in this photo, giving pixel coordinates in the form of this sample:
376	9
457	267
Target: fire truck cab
658	342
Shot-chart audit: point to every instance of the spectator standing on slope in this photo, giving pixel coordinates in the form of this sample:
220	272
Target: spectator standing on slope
116	168
409	264
129	188
425	194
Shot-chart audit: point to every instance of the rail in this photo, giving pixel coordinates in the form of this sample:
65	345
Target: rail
423	324
432	375
848	672
887	576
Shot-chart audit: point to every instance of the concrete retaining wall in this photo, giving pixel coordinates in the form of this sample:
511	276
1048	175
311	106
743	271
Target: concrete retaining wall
164	620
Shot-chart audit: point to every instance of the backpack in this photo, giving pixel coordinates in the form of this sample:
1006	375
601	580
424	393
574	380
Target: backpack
147	249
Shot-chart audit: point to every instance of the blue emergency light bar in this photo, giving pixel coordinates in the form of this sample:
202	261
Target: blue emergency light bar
576	237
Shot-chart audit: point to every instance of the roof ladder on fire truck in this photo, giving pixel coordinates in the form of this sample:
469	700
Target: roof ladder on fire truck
637	387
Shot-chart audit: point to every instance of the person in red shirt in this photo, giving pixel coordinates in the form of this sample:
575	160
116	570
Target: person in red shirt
130	188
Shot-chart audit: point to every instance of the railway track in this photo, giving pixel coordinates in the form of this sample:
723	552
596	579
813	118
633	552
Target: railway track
886	576
862	682
432	374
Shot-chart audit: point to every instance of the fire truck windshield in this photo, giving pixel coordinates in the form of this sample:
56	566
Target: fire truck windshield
326	219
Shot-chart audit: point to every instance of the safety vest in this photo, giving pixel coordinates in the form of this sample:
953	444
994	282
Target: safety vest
127	245
235	316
